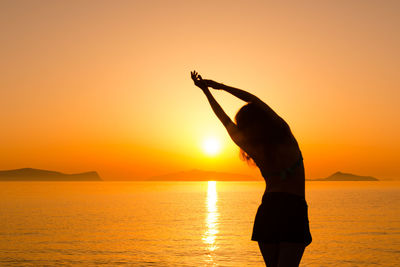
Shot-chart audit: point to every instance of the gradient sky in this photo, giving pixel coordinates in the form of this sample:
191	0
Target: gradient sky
105	85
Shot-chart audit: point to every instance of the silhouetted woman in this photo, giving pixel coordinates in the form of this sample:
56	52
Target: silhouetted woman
281	224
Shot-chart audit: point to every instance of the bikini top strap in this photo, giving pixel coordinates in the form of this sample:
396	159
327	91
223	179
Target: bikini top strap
284	173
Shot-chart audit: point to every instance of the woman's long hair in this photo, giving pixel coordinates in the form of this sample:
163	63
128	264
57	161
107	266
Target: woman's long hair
260	129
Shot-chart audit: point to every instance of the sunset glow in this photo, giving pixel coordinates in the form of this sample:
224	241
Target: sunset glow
107	86
211	146
200	133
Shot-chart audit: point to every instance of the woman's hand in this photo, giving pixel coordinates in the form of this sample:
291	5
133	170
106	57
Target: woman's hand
198	81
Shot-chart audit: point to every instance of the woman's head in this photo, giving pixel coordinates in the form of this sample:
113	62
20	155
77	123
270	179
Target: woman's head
250	117
259	127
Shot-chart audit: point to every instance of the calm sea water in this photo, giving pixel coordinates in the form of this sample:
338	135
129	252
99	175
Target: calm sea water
188	223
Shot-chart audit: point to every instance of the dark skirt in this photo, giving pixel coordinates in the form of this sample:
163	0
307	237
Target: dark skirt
282	217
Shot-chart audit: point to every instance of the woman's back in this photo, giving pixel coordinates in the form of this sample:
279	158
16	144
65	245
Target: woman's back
283	170
281	165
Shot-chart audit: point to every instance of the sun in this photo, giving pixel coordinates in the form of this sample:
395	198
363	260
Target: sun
211	146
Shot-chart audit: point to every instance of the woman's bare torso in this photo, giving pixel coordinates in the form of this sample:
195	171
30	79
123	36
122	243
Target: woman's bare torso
275	159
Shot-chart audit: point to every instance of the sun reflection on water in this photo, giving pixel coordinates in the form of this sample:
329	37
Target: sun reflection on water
211	232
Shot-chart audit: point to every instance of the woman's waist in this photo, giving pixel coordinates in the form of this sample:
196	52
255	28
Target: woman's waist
295	186
283	195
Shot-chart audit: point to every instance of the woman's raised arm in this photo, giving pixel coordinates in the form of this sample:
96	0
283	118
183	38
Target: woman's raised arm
241	94
230	126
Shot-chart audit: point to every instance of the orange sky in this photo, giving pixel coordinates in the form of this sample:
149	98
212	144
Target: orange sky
105	85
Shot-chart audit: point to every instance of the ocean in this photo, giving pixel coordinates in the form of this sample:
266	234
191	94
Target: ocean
188	223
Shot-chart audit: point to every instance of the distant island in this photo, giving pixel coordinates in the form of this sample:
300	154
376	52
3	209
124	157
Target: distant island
199	175
341	176
29	174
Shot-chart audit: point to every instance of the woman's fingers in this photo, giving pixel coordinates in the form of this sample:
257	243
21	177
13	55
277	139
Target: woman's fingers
196	76
193	74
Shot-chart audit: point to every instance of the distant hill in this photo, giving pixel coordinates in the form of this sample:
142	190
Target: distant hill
341	176
29	174
199	175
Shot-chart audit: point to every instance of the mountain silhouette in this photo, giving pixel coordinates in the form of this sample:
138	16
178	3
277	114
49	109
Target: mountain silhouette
341	176
30	174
